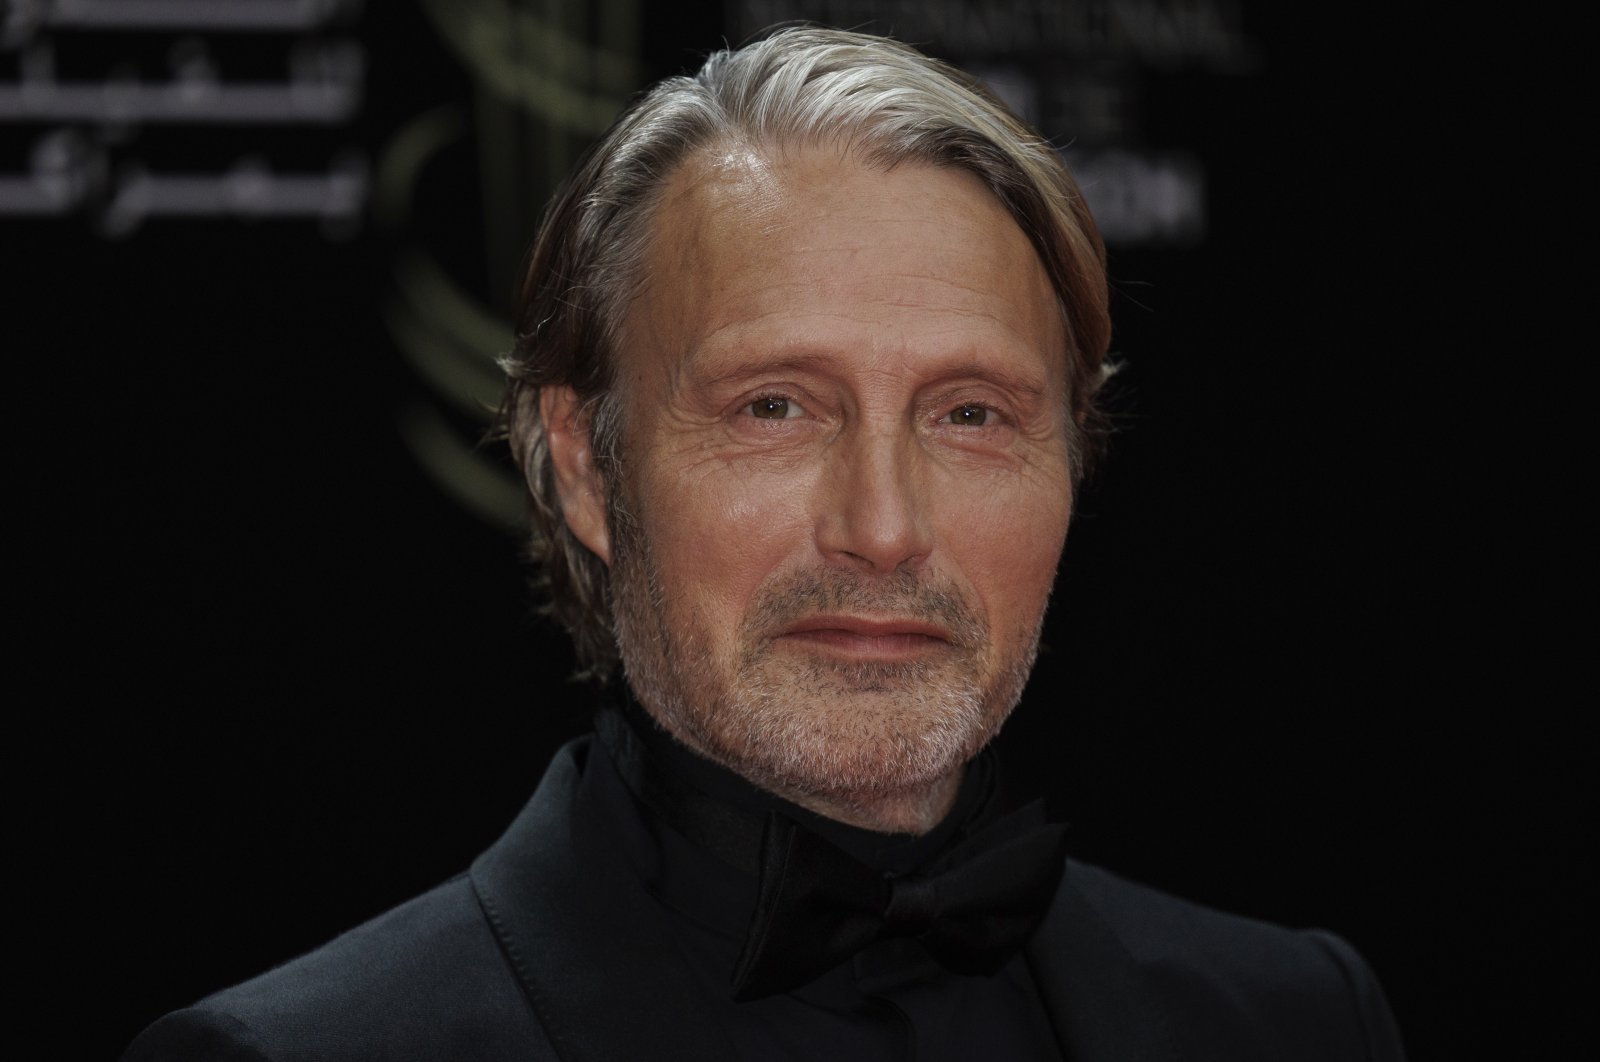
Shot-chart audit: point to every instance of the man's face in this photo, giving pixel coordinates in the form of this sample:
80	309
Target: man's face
844	485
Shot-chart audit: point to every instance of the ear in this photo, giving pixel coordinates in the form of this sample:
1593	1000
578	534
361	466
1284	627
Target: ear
577	480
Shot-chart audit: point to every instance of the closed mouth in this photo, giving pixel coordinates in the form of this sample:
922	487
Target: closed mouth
868	637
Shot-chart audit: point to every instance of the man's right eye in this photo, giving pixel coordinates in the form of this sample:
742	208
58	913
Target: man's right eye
773	407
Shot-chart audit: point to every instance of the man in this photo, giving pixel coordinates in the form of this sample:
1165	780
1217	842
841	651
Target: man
803	384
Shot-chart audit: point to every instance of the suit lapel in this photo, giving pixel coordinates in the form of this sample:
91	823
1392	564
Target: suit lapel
606	983
582	935
1089	984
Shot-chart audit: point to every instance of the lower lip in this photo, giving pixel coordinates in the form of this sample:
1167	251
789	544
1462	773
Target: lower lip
879	647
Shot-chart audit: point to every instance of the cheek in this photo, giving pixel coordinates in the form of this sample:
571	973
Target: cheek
1010	554
719	533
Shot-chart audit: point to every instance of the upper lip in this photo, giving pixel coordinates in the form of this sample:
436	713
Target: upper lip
870	627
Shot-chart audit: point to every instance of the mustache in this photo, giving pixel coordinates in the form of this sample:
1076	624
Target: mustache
785	600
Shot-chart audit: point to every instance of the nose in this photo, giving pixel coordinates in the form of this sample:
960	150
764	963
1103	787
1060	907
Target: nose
874	511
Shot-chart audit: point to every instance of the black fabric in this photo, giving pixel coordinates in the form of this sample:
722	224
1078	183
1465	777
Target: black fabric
678	787
554	947
427	980
972	891
878	1000
593	952
717	810
972	910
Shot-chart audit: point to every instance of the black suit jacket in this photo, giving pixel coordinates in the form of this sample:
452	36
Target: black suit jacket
548	949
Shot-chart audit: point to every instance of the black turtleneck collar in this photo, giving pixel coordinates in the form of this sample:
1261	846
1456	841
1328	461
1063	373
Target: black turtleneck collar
692	832
724	813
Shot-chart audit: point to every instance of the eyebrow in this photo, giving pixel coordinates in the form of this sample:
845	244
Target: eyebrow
1027	385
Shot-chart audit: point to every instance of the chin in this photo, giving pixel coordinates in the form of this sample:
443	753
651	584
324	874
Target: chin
853	740
832	731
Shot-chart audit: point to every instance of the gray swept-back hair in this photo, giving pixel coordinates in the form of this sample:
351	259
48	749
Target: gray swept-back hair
880	101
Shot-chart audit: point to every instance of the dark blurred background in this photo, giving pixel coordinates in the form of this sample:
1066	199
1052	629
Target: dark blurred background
1311	652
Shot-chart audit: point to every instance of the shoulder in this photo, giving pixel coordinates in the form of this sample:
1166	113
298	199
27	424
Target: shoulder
1158	928
424	980
1218	978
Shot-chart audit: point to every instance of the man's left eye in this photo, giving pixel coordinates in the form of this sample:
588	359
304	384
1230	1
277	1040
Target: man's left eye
969	416
773	407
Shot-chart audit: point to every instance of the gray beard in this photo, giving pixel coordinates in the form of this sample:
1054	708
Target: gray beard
848	733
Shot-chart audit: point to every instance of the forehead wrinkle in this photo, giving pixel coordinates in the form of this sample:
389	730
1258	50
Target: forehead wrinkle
728	217
898	293
813	346
707	187
718	188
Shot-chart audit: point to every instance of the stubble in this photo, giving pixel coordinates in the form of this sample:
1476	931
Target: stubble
818	730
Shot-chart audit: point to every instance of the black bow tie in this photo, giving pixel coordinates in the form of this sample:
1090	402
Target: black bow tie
816	905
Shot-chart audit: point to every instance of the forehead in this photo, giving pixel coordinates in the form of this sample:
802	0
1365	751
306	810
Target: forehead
808	247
